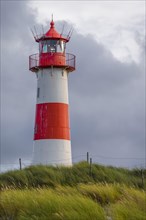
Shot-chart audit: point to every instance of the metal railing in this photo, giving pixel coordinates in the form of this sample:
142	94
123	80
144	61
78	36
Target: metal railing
34	59
70	60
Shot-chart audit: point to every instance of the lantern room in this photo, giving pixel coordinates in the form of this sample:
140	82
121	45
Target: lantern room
52	47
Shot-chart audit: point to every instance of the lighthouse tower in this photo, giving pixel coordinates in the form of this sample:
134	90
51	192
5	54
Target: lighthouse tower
52	144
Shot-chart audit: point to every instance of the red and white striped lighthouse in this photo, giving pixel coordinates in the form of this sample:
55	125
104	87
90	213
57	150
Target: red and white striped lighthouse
52	144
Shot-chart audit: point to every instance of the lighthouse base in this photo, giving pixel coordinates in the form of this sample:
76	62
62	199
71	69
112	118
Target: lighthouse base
52	152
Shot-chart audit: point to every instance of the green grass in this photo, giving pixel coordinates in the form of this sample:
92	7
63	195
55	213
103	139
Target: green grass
48	176
72	193
47	204
132	206
81	202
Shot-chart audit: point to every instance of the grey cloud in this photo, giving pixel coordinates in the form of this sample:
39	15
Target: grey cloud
107	104
106	96
18	87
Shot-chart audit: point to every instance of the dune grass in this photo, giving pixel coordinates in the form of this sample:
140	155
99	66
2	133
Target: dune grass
132	206
49	176
81	202
47	204
72	193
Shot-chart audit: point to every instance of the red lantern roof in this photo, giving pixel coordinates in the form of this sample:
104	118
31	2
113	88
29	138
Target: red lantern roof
52	34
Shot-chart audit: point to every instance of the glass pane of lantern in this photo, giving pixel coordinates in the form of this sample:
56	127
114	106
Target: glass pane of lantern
60	46
40	47
52	44
45	47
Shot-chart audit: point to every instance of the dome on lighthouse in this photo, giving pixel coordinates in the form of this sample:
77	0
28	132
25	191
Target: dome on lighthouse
53	34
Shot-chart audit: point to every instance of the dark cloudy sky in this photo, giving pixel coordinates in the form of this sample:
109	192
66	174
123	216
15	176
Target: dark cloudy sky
106	92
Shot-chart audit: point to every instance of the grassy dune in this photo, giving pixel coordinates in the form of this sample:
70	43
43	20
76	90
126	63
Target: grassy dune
53	193
92	201
49	176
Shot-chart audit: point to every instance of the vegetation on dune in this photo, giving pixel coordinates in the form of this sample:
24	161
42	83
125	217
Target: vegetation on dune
81	202
131	206
72	193
46	204
49	176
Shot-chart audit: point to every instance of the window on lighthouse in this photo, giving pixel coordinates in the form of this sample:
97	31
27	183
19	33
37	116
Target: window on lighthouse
60	46
52	46
43	47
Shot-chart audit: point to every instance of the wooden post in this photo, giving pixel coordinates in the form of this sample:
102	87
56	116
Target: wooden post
87	157
90	166
20	165
142	178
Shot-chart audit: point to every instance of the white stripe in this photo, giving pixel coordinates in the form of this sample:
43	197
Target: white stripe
54	152
53	85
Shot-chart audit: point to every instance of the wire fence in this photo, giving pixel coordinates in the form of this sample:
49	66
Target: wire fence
139	162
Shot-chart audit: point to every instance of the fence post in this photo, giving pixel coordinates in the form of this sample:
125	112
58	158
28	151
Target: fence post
142	178
91	167
20	165
87	157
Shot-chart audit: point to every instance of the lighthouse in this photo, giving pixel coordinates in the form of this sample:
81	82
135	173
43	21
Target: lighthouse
52	65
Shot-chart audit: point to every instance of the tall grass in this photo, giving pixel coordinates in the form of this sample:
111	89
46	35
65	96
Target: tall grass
132	206
47	204
72	193
103	194
81	202
48	176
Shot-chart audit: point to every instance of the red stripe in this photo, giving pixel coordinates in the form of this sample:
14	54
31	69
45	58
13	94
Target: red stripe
52	121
